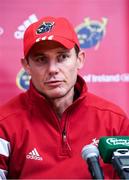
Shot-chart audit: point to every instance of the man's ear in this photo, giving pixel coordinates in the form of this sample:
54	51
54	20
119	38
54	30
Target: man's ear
81	59
25	65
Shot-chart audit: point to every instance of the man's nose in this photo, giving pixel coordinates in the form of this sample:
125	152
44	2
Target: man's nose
53	68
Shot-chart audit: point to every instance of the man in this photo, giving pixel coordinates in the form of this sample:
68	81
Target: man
43	130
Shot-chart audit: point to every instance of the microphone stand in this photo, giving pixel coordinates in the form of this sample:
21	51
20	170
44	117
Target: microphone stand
120	162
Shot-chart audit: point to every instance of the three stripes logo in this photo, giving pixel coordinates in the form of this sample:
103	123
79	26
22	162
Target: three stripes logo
34	155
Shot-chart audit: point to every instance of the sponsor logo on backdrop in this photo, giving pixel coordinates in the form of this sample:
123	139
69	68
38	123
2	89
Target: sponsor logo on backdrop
21	28
23	80
1	31
106	78
91	32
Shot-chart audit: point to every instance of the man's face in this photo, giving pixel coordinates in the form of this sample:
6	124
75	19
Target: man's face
53	68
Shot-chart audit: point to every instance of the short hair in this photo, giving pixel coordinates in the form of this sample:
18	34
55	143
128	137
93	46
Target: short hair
77	49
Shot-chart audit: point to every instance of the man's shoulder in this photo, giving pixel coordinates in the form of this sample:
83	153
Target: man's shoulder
13	106
103	104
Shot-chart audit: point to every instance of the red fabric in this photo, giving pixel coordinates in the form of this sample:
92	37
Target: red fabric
50	28
28	122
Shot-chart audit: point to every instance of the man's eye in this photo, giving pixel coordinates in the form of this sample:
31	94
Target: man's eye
63	57
40	60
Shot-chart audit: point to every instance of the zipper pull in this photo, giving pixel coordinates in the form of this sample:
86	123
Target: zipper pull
64	137
65	142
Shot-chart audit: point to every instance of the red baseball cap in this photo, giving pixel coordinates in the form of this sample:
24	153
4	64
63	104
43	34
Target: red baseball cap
50	28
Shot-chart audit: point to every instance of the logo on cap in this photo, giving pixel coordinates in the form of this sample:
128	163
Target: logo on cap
45	27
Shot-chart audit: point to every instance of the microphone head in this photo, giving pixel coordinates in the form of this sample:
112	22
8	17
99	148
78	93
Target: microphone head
107	145
89	151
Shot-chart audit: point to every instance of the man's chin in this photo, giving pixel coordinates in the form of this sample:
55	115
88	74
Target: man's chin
55	95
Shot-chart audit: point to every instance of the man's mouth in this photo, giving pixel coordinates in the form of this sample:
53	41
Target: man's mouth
53	82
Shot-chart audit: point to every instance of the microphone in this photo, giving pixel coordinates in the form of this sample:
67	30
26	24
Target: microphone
90	154
115	150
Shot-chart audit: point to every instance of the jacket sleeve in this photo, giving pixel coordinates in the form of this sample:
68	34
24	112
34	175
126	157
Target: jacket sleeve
5	151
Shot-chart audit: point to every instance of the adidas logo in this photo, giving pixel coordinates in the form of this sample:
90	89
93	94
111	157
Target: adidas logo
34	155
21	29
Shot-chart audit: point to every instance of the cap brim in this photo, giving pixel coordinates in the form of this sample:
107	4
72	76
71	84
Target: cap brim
65	42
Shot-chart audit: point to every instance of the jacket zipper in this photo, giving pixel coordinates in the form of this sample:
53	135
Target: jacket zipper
65	142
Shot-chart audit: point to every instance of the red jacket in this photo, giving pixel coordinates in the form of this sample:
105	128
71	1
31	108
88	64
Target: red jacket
35	144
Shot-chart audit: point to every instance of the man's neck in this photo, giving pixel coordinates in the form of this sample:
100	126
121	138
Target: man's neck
61	104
